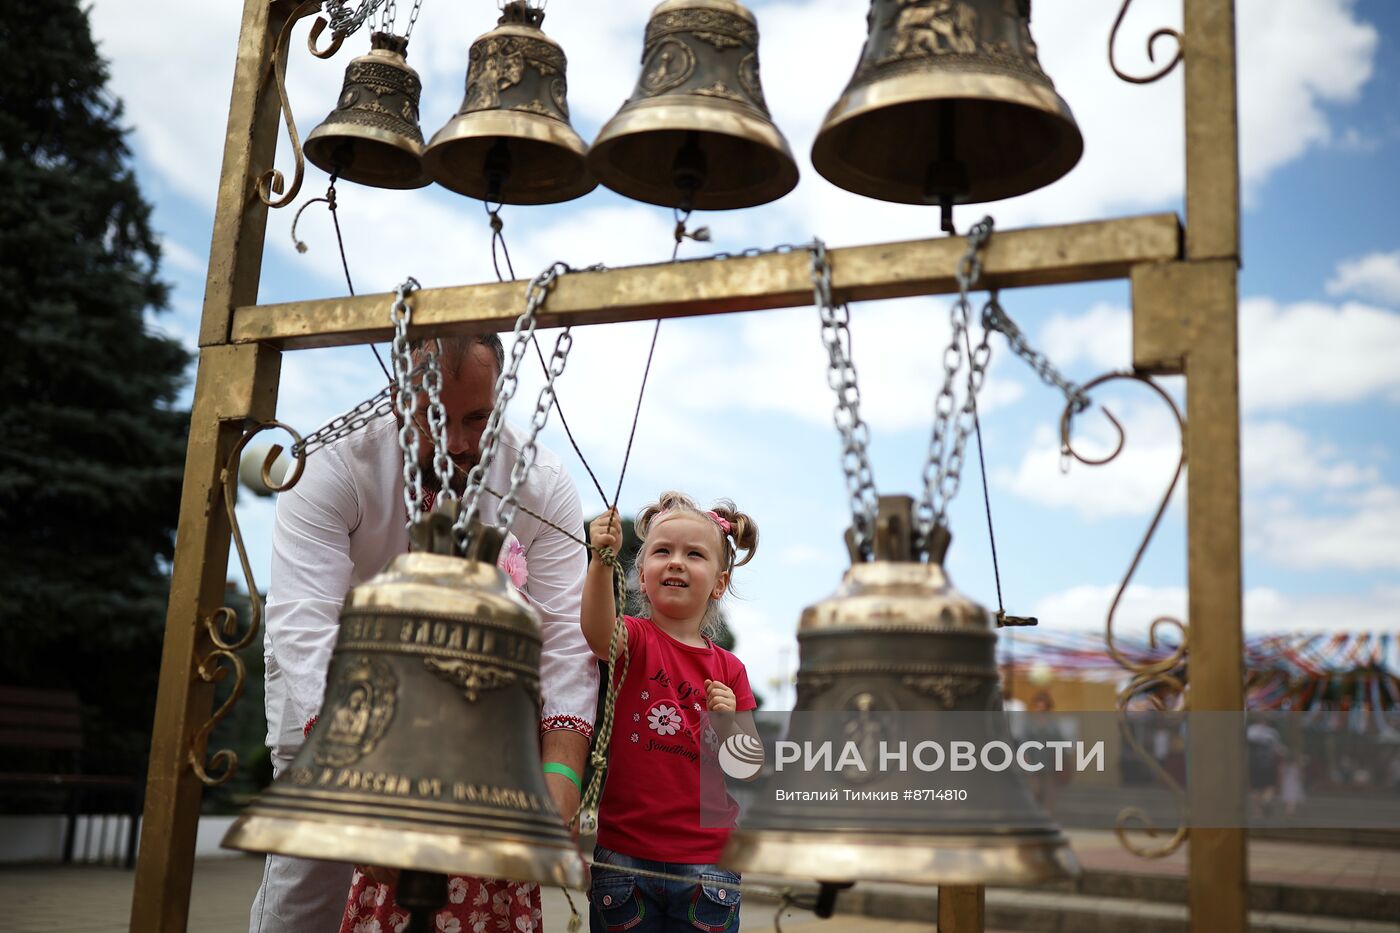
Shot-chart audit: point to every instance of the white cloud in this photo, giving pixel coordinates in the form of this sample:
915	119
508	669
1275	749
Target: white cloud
1375	276
1313	353
1086	607
1133	484
1276	454
1295	57
1290	354
181	257
1265	610
1362	531
1101	337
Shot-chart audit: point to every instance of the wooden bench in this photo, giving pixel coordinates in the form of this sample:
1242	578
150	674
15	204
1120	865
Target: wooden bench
48	725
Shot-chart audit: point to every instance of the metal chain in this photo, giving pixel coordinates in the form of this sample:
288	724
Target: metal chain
355	419
437	426
943	469
949	478
994	318
406	399
343	21
557	361
841	376
506	384
413	18
386	21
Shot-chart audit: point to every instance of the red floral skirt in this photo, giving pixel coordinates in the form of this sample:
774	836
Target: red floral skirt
474	905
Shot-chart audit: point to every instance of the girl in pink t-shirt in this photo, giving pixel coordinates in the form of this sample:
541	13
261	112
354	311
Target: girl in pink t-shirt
649	816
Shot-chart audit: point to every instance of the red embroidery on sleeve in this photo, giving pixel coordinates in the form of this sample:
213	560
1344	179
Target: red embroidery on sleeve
576	723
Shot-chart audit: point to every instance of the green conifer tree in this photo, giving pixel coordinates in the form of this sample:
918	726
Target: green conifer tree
90	464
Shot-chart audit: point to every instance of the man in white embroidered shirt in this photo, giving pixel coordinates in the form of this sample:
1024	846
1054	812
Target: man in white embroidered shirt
339	526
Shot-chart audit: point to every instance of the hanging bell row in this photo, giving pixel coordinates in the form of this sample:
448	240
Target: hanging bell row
948	105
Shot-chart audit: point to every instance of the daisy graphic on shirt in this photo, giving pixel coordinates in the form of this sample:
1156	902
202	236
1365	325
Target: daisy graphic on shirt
665	720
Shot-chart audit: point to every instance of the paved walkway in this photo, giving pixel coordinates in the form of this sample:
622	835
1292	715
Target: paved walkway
1270	861
50	898
90	899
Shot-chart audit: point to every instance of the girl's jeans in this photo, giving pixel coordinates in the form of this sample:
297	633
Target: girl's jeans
707	902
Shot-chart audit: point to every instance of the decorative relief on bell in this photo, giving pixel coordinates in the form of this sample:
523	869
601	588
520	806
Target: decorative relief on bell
361	699
930	27
474	679
382	96
666	67
517	73
948	689
668	61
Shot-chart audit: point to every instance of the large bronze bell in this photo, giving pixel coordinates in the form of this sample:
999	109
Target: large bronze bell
372	136
511	142
696	131
947	105
897	638
426	754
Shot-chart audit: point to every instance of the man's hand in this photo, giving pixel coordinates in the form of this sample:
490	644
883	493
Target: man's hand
719	697
606	531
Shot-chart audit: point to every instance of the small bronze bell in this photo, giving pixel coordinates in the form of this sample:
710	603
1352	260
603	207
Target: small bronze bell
426	754
511	142
947	105
696	131
896	638
372	136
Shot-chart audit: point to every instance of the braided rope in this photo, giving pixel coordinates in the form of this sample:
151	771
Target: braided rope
586	816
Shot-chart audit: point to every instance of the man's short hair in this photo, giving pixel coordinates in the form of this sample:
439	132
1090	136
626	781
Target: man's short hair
453	350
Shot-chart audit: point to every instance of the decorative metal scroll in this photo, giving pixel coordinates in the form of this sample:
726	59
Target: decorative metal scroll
272	182
1153	678
1151	50
222	623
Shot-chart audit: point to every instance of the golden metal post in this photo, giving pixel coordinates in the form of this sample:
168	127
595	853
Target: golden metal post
234	384
1218	858
962	908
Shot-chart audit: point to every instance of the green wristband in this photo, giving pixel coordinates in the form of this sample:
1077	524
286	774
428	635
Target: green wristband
554	767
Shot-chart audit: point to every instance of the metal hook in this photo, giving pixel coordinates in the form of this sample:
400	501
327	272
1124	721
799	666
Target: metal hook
1067	445
317	28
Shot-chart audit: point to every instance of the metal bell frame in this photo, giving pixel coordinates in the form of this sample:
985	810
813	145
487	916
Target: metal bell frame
1184	299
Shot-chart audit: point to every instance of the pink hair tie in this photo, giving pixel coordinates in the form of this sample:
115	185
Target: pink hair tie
723	523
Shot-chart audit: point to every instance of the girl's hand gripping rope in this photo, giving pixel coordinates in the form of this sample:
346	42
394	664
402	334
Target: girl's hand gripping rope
604	595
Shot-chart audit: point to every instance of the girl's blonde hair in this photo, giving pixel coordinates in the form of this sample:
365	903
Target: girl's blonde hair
741	536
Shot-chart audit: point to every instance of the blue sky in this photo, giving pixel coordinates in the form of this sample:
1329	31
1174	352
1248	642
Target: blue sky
737	405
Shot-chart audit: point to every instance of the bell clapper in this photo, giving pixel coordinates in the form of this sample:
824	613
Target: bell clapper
496	171
689	170
947	177
423	894
826	897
